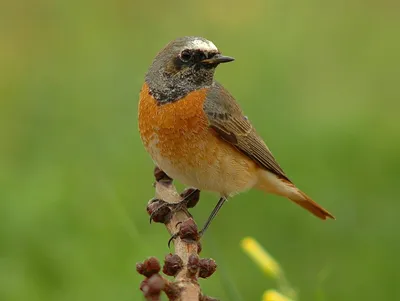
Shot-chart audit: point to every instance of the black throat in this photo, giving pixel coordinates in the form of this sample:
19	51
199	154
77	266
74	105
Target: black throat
166	85
170	92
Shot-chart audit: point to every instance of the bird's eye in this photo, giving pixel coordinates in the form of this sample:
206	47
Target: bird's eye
186	56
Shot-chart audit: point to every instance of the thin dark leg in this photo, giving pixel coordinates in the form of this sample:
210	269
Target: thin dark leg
213	214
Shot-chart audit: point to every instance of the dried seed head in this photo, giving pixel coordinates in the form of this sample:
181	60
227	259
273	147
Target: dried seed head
158	211
207	267
188	231
192	195
156	284
193	264
149	267
152	287
172	265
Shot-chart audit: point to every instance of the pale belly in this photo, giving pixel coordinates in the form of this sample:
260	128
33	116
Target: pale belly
215	167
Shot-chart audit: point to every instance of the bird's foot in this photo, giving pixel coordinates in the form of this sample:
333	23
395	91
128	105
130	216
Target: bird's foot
188	232
161	211
167	210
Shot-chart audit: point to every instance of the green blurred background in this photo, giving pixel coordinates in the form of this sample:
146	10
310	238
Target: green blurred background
319	80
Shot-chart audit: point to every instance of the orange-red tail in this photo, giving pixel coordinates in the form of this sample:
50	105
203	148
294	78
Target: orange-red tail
308	204
272	183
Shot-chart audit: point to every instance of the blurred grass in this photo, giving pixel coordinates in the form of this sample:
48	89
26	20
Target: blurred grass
320	81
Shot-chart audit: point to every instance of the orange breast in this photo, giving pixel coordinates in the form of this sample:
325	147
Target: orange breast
178	128
180	142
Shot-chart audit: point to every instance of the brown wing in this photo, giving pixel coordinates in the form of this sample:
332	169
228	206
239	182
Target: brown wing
227	119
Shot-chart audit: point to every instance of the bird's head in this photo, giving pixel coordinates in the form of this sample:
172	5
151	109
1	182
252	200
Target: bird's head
184	65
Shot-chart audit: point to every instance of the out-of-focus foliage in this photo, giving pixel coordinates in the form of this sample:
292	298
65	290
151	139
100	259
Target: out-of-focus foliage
272	295
318	79
271	268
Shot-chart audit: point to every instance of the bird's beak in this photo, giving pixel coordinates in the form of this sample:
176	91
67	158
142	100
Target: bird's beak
218	59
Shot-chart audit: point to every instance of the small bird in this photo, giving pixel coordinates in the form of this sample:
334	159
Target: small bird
195	131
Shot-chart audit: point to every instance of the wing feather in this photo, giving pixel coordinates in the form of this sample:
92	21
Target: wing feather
227	119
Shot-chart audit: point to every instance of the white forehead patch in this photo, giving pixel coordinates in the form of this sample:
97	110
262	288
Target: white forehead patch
203	45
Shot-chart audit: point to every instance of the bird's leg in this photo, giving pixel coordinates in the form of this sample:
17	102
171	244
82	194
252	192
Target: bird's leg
189	199
206	225
213	214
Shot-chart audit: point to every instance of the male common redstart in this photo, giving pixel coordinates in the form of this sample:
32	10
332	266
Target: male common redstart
195	131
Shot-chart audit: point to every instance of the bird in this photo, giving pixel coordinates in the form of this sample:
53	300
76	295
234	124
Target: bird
196	132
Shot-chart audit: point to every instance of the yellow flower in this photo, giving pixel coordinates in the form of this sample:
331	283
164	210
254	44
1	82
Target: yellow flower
261	257
272	295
